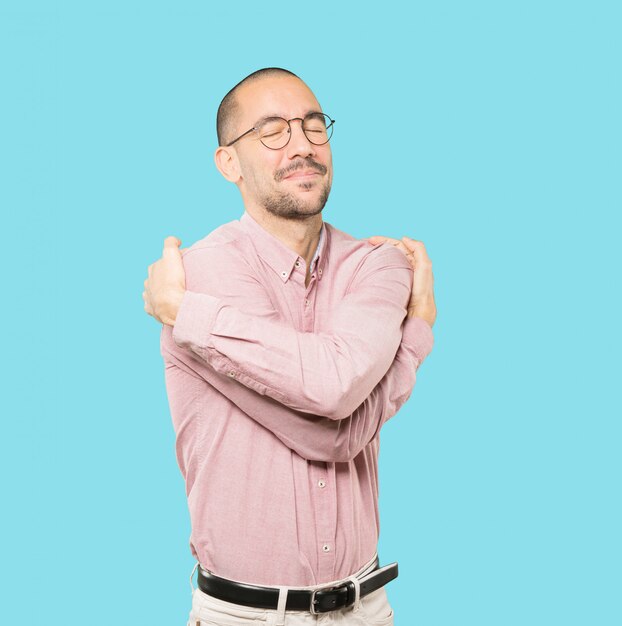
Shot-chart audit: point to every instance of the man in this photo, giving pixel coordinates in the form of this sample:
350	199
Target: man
287	345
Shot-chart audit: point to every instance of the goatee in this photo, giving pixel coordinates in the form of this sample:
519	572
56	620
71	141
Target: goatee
288	206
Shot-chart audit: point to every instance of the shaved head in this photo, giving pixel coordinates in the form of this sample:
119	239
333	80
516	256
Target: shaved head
291	182
229	107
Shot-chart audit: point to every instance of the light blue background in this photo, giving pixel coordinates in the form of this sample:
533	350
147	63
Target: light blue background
498	145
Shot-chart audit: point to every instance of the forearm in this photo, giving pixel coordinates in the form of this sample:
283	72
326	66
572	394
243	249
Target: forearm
315	437
390	394
233	327
327	374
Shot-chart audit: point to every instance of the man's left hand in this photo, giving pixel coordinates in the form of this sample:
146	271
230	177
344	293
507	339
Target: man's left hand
166	284
421	302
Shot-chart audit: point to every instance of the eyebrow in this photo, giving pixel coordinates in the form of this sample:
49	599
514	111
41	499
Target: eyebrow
268	117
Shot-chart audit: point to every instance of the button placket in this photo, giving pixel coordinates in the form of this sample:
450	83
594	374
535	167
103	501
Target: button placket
324	497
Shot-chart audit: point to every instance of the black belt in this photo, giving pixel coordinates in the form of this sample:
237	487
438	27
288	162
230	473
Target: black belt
317	601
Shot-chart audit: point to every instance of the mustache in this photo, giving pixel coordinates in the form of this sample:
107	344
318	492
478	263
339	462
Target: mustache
307	163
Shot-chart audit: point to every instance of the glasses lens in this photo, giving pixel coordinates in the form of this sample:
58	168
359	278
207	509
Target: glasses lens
274	133
318	128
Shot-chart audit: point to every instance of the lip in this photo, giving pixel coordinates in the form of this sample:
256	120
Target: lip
302	174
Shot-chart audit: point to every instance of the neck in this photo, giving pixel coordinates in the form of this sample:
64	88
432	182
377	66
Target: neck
301	236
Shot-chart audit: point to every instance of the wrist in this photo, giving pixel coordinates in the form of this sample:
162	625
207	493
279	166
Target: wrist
169	307
418	312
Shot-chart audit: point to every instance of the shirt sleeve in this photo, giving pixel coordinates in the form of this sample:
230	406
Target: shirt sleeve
313	437
328	373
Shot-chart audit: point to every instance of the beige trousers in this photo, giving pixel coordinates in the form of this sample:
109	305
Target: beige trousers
371	610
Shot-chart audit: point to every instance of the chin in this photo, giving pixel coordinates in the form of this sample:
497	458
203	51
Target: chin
301	203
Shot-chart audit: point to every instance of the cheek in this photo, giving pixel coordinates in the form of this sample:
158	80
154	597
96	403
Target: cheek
249	172
327	159
261	171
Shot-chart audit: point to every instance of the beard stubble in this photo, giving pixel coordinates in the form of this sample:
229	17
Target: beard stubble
288	206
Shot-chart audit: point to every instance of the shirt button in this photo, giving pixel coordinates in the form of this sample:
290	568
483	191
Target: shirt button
321	484
297	263
326	547
283	274
232	374
320	272
306	302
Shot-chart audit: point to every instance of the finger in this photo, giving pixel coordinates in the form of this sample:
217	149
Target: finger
171	244
413	244
377	239
410	243
418	251
397	243
393	242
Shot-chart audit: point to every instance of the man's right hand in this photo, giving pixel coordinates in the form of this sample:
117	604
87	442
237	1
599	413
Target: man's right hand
166	284
422	295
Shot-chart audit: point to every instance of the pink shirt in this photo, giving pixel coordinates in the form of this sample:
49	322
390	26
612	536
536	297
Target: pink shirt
277	393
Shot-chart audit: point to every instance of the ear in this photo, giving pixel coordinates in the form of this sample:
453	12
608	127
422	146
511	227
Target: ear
227	162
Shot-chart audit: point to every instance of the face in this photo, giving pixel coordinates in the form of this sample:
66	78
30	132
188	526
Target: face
293	182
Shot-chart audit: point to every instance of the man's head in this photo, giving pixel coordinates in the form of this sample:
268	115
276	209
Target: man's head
293	181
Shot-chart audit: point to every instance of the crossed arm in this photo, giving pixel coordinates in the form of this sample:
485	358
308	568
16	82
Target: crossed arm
373	365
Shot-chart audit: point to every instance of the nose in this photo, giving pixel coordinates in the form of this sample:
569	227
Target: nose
299	145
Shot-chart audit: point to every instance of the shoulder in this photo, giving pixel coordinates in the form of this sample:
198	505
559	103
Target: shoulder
224	244
225	237
220	253
360	256
381	272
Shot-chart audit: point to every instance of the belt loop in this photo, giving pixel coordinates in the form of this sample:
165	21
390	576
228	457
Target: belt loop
191	575
357	592
280	609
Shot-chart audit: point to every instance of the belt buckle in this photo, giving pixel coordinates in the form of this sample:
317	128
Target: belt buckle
312	608
322	590
314	601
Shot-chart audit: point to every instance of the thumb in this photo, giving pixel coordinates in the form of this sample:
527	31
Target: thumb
411	244
171	244
376	239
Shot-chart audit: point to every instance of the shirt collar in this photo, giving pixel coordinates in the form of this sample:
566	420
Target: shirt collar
277	255
320	243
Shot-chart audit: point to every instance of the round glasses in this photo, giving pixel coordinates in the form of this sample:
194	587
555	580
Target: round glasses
275	132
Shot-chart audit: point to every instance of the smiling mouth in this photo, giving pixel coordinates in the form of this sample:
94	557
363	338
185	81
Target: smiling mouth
302	175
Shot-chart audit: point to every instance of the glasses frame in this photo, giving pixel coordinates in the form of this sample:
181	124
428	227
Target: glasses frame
302	119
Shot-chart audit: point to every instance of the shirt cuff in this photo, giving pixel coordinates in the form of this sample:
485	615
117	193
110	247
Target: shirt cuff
195	320
417	336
